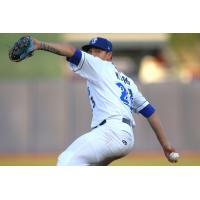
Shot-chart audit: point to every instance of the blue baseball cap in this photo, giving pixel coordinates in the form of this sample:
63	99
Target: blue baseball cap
100	43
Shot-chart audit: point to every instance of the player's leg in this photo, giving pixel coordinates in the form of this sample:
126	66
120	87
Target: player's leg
89	149
114	144
80	152
101	146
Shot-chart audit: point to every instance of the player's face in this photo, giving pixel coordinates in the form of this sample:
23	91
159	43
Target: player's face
100	53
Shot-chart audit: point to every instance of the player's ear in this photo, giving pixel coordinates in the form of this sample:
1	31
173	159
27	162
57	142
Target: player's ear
109	56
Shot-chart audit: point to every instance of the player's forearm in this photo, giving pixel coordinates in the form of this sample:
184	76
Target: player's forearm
62	49
157	127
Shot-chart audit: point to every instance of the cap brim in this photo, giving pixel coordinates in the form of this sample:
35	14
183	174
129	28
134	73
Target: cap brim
87	47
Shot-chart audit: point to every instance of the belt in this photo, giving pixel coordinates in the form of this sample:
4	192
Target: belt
124	120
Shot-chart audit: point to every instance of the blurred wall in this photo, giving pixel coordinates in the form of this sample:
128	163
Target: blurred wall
46	116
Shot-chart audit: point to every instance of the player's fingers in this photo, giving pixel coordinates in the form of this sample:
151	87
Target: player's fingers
173	161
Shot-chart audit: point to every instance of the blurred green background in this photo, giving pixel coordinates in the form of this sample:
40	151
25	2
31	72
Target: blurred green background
43	66
177	52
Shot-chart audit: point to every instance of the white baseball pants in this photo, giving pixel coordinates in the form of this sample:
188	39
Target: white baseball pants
100	146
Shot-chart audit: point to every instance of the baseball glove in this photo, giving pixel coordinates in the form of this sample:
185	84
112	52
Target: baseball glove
22	49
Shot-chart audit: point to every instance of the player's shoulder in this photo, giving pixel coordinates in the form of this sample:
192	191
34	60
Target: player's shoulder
129	80
89	57
124	76
96	62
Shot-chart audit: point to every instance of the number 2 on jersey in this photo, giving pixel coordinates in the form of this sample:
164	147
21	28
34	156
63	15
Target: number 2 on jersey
126	96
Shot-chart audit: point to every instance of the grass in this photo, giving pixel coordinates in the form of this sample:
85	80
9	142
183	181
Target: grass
135	159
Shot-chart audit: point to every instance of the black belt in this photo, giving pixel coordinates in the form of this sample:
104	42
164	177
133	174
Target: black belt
124	120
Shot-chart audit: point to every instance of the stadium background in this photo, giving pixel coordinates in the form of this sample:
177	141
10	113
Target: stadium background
44	106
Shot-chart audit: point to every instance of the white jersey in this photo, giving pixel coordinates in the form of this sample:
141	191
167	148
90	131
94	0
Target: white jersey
111	93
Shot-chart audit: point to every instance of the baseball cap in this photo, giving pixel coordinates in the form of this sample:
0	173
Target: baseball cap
98	42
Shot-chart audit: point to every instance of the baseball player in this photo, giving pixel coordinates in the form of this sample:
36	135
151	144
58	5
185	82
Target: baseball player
113	98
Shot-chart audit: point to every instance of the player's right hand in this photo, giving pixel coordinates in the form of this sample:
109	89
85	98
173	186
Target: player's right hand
168	149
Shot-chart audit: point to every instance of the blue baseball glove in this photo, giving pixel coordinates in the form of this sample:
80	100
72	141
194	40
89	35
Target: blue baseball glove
22	49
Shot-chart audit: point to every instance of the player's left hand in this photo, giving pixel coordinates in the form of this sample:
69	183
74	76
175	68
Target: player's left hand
22	49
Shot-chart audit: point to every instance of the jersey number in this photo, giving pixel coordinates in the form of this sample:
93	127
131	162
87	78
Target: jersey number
126	96
93	102
91	99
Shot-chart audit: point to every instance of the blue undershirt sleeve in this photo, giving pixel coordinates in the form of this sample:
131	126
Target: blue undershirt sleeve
75	59
147	111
